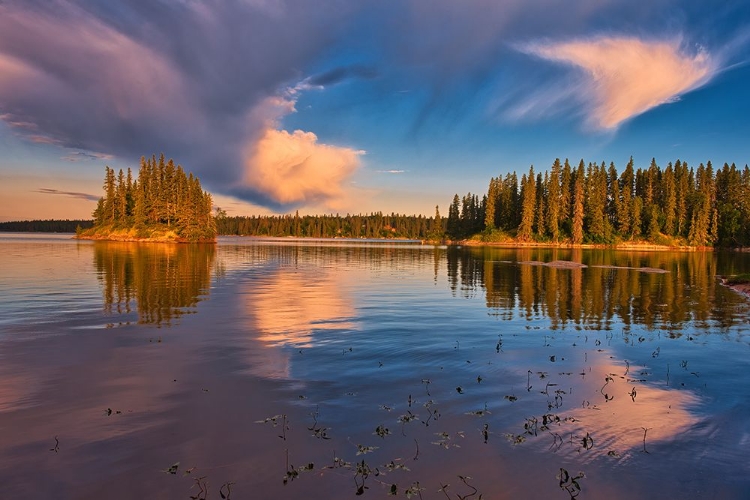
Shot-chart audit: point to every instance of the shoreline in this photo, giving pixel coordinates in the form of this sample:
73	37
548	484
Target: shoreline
741	288
641	247
126	238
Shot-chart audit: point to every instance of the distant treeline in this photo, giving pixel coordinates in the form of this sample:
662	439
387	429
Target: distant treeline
594	204
375	225
45	226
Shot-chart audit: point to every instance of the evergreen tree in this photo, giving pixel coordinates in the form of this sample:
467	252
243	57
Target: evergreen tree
454	218
437	225
567	189
528	205
109	209
540	227
553	201
578	197
669	201
492	195
625	217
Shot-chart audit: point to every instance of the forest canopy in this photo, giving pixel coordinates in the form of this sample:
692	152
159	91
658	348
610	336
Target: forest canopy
163	203
593	203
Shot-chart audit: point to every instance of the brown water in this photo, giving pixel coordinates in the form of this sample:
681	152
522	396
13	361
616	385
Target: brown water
488	370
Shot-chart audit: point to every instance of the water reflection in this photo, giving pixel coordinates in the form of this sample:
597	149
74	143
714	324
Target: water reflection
662	290
620	408
163	281
289	307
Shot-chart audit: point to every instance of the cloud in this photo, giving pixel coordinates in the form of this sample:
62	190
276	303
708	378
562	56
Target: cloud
127	79
72	194
390	171
207	82
77	156
622	77
295	169
342	73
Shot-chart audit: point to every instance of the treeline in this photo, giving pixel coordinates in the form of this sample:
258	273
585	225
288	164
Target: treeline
375	225
594	204
163	198
45	226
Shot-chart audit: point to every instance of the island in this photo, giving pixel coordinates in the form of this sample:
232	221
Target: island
164	204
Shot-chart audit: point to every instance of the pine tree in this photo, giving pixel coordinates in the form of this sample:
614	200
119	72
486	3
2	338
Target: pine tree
454	218
437	225
613	197
567	190
578	197
540	226
528	204
121	198
635	216
109	208
669	201
625	217
682	193
553	201
492	195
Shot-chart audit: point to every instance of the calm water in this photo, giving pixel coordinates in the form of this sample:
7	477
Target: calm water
344	368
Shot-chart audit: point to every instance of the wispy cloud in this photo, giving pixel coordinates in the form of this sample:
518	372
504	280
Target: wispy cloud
77	156
72	194
622	76
390	171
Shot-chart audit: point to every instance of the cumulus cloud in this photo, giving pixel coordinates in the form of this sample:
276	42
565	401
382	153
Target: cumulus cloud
294	168
622	77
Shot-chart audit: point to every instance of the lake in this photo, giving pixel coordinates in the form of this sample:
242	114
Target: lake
331	369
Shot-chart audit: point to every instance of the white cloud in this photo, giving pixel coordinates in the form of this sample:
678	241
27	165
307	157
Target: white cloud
623	76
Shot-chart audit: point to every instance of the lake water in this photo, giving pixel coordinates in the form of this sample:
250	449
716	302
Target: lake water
323	370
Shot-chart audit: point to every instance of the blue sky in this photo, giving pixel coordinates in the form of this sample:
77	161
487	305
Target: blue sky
340	106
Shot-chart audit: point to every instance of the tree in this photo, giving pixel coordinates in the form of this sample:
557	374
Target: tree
578	196
567	189
492	195
108	208
669	201
528	204
454	218
625	217
541	210
553	201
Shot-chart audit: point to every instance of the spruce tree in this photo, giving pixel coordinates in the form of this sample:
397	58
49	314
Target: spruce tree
578	197
528	205
553	201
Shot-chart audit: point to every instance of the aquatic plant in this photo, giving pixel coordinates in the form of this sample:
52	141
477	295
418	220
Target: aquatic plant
570	483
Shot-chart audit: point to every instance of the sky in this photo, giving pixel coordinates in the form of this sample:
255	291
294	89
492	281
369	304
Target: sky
340	106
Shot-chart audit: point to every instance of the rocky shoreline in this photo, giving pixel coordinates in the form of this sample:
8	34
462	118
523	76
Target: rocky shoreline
741	288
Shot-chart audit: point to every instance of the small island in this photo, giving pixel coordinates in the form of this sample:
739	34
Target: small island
164	204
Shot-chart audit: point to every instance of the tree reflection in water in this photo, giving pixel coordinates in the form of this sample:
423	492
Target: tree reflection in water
164	281
663	290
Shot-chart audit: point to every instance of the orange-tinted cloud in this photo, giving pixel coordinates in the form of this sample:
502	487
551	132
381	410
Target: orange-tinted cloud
294	168
624	76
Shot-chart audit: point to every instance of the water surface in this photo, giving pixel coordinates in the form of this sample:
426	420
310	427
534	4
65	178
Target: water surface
356	367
